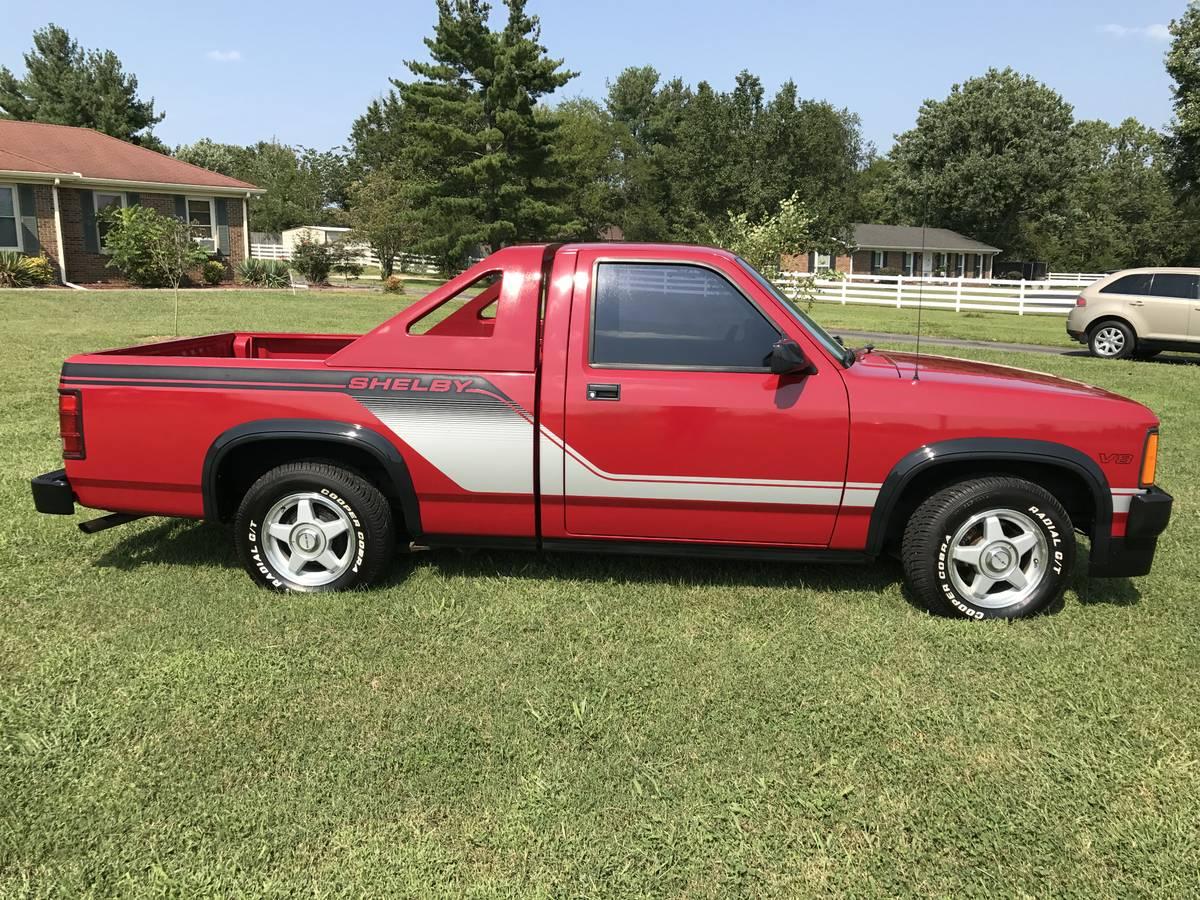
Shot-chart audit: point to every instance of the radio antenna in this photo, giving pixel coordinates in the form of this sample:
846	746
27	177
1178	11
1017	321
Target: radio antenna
921	288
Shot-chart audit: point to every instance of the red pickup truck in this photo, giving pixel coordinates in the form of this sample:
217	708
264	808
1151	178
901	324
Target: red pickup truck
614	397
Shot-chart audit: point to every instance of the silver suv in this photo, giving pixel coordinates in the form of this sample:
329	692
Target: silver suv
1139	313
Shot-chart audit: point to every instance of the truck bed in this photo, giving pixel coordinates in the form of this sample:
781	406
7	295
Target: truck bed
243	345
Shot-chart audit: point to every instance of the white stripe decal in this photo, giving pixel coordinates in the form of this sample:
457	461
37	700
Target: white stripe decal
487	450
1122	497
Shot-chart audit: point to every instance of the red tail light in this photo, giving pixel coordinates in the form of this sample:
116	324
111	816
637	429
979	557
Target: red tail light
1081	301
70	423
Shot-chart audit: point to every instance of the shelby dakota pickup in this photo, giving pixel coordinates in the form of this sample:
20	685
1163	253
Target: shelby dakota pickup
631	398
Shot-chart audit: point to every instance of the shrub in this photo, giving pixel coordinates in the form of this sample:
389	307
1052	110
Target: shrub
213	271
346	263
268	273
1014	275
149	249
17	270
890	272
393	284
313	260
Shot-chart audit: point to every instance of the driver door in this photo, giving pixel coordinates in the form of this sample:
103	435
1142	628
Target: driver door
675	427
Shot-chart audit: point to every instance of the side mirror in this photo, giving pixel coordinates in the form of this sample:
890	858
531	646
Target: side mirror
787	358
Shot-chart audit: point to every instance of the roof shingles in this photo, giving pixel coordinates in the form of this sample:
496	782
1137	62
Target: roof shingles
43	149
914	237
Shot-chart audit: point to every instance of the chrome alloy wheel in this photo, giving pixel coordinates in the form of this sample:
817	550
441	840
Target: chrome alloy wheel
1109	341
998	558
309	539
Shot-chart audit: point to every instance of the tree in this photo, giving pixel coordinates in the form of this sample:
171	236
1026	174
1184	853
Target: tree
385	214
301	185
1183	65
585	154
987	161
66	85
1120	209
474	136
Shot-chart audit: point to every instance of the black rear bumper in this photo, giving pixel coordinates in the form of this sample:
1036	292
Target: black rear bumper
52	493
1133	554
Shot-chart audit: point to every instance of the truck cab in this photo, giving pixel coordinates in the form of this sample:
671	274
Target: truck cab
614	397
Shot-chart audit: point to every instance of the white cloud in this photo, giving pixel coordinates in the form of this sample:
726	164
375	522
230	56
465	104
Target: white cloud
224	56
1149	32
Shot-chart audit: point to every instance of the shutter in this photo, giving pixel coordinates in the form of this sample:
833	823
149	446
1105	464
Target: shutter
181	208
222	227
29	229
87	205
132	199
884	260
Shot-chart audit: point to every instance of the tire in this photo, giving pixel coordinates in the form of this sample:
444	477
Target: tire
1111	339
313	526
1014	530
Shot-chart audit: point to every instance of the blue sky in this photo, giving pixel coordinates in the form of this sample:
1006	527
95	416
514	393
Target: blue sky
301	71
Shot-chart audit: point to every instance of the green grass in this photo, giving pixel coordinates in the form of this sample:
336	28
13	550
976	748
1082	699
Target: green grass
504	724
976	326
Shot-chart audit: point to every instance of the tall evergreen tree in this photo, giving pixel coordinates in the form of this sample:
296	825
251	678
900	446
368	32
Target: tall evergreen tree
66	85
474	134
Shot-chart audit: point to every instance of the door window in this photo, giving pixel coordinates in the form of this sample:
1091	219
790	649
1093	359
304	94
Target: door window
1131	284
662	315
1171	284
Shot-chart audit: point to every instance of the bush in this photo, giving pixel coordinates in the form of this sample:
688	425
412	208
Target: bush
312	260
17	270
346	263
149	249
393	284
267	273
890	272
213	271
1015	275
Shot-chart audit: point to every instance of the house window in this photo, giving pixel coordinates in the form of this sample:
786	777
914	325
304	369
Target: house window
822	262
103	202
977	269
10	234
202	217
879	260
908	264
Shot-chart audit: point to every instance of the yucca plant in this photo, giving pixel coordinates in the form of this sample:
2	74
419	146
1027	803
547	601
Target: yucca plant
18	270
250	271
275	273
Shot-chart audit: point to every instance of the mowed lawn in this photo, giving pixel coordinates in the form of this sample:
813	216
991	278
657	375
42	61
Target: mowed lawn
502	724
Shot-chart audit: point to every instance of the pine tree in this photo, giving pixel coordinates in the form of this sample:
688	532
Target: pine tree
474	136
66	85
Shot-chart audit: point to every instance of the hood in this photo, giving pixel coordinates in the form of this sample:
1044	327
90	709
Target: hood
947	369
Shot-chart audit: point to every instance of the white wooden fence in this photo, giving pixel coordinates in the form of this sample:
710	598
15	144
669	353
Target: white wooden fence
958	294
1084	277
407	262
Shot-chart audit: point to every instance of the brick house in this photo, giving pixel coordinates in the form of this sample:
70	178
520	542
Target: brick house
54	179
908	250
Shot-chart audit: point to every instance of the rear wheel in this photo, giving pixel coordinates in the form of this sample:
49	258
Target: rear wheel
990	548
1112	340
313	526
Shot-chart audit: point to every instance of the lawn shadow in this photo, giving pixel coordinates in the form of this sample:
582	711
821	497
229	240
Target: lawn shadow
171	542
651	569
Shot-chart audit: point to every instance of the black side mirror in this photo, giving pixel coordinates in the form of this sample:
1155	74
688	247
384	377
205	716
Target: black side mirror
787	358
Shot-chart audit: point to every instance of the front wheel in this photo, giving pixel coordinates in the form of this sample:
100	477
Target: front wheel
314	526
990	548
1112	340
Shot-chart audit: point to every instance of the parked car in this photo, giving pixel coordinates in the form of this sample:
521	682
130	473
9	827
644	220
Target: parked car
1138	313
614	397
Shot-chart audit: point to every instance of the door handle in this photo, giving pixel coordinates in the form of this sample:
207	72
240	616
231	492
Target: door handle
1136	303
604	392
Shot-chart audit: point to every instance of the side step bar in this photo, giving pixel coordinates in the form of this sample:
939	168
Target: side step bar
112	520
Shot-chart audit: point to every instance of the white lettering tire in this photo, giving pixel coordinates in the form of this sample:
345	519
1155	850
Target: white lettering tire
314	526
989	548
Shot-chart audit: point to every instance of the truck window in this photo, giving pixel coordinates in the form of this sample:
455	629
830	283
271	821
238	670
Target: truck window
677	316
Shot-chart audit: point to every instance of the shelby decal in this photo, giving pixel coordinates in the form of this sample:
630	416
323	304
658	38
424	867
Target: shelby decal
420	384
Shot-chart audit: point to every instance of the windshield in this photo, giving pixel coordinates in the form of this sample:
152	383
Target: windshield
823	337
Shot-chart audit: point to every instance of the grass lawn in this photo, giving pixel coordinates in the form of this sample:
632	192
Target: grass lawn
976	326
506	724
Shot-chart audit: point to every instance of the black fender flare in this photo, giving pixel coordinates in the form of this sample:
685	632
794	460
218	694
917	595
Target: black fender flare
993	449
343	433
